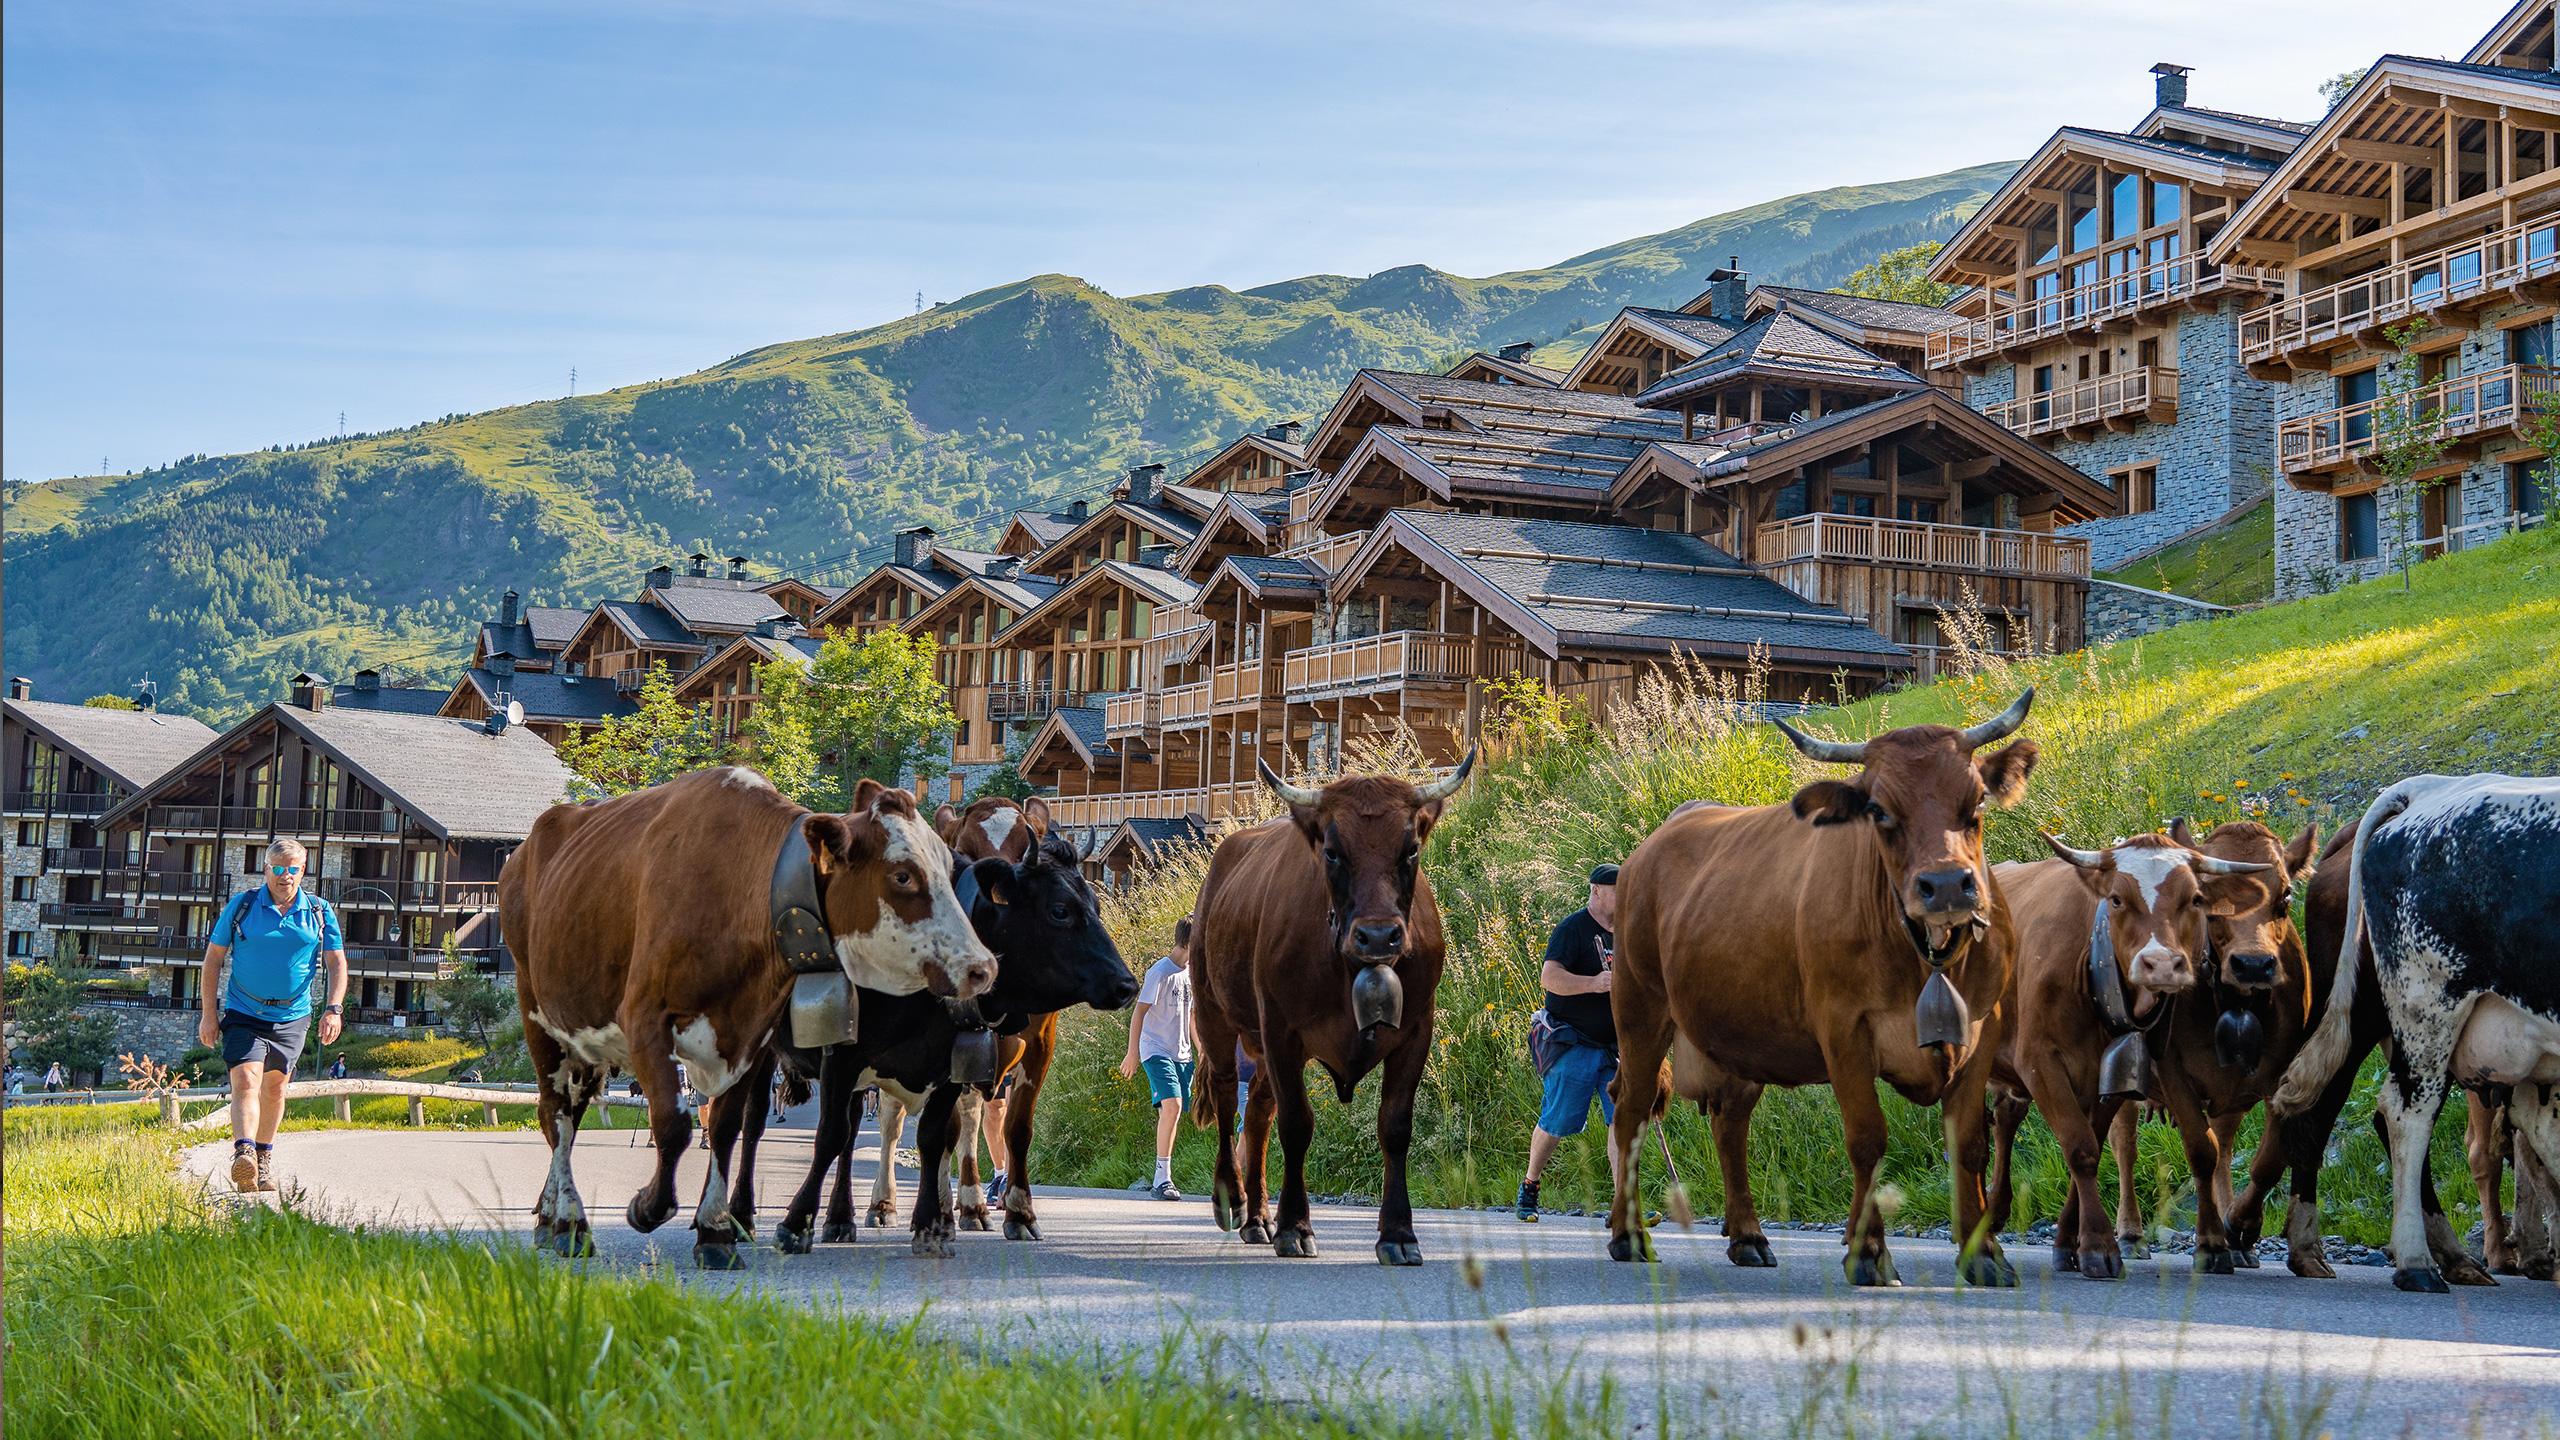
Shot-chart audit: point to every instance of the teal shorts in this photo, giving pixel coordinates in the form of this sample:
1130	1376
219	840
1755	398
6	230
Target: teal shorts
1167	1079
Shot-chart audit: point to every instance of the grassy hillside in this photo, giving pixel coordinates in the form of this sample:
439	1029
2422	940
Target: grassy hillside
2234	563
219	575
2297	713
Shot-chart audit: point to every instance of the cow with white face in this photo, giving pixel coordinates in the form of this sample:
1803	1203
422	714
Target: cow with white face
2455	881
643	929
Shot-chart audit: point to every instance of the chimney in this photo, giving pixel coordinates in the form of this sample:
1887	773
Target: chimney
368	680
507	607
1156	557
660	577
737	567
2169	83
1298	480
500	662
1142	483
914	546
1004	567
1286	432
698	565
310	692
1517	350
21	688
1728	290
1078	510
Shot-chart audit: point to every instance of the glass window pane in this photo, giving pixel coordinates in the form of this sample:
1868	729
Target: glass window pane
2168	202
2124	207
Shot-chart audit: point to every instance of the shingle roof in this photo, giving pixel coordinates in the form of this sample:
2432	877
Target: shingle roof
1868	311
1704	329
517	640
2547	78
2298	127
452	775
716	607
1779	342
1269	571
1611	585
131	747
2180	149
553	626
1174	522
1085	723
400	699
1046	526
653	624
1152	836
549	695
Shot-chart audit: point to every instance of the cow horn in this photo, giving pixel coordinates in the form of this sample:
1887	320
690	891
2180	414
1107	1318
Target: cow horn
1298	796
2214	865
2085	859
1998	726
1837	752
1444	788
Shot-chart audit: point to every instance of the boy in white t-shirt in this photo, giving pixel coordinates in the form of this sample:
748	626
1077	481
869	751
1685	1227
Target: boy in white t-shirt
1160	1043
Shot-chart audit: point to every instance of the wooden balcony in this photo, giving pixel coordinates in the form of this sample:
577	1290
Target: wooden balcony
85	859
362	892
56	802
2475	272
1183	706
187	885
1858	539
1394	661
1085	811
1030	700
91	915
1128	714
2016	321
2113	401
1239	686
154	945
1175	619
1166	647
1326	553
2466	407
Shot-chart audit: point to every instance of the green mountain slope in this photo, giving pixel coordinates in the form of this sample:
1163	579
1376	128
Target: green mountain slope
219	575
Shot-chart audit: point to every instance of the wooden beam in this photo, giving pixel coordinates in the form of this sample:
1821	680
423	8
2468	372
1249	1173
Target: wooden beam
2382	153
2367	207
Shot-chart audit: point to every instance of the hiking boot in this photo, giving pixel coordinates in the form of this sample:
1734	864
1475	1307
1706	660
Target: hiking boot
995	1189
1526	1207
244	1168
1164	1191
266	1171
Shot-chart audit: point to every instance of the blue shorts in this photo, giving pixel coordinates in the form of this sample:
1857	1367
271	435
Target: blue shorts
1167	1079
1580	1073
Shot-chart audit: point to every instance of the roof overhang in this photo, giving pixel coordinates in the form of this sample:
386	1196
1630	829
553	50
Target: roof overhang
1252	441
78	752
1626	322
2069	145
1396	533
1365	388
1144	519
2077	496
1055	731
1230	511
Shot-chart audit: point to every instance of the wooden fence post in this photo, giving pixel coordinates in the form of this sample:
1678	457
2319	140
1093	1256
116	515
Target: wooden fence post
169	1111
346	1109
489	1113
417	1110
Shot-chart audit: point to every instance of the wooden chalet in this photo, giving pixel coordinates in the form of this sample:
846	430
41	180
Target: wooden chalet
726	686
534	634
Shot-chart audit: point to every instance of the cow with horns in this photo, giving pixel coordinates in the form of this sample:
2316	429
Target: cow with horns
1316	938
1851	935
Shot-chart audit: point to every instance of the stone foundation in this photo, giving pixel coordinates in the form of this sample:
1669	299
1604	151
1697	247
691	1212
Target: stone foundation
2118	612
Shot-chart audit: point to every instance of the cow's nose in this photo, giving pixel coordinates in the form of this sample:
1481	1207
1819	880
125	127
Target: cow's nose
2158	968
1375	938
976	978
2253	969
1947	889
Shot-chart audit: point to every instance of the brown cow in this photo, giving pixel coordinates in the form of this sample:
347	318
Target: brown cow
2161	899
1791	945
1306	926
643	932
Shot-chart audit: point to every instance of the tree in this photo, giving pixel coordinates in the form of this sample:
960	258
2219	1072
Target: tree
2409	438
863	707
44	1010
662	739
2335	88
109	702
1900	275
469	999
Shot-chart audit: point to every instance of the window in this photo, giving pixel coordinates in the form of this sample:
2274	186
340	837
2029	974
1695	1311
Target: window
2137	488
2168	202
2530	344
1924	511
1853	503
2082	212
2124	207
22	943
30	831
2529	489
2359	528
2147	353
22	887
1791	500
2357	389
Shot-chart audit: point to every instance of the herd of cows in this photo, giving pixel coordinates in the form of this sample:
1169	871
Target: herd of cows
1853	935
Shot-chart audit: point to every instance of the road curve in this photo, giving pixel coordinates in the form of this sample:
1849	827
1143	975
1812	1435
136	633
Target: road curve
1693	1341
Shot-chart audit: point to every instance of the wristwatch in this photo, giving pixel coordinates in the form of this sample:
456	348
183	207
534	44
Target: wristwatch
332	1009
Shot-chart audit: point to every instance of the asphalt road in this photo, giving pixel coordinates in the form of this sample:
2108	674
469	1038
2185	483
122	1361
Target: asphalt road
1687	1344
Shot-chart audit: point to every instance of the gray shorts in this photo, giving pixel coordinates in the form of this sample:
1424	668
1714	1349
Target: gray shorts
246	1038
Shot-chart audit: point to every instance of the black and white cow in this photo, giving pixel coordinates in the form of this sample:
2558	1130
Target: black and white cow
2457	881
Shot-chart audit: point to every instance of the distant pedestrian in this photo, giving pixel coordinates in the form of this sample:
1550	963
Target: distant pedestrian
53	1081
270	942
1160	1043
338	1068
1577	1042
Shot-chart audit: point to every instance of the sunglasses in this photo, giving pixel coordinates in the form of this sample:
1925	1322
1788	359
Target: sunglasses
284	869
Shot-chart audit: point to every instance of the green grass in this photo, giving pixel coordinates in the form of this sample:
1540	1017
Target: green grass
136	1308
2232	564
2296	712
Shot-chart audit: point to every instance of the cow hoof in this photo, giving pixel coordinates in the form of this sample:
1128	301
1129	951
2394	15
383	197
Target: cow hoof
2245	1234
1399	1252
1254	1232
1294	1245
717	1255
1634	1246
1872	1270
2310	1265
2095	1264
975	1220
2133	1247
1223	1205
2244	1257
789	1241
931	1246
2463	1270
1020	1227
2213	1262
1752	1253
542	1234
573	1242
2425	1281
642	1220
2066	1260
839	1232
882	1212
1988	1271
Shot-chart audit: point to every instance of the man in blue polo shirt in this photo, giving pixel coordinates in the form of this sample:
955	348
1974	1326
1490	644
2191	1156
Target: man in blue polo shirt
265	949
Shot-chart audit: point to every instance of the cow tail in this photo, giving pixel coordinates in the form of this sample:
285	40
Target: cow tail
2326	1050
1204	1106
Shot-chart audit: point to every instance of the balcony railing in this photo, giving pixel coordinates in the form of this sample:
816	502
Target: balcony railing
295	820
2473	270
1327	553
1862	540
1392	660
1183	706
154	945
1237	686
1174	619
188	885
85	858
1030	700
2456	409
83	914
373	893
1128	714
2150	392
2016	320
56	802
1078	811
2481	532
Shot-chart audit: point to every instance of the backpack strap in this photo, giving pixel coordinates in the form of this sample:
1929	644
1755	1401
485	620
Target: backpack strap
229	920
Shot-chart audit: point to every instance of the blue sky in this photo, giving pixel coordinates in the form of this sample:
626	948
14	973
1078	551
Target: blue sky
226	223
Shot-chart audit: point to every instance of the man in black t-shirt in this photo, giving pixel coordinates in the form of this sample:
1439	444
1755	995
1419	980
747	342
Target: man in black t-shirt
1580	1052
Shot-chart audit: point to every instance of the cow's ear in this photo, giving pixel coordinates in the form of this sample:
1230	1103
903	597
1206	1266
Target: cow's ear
1423	819
946	823
2005	770
830	841
1036	810
895	802
996	880
2301	858
865	792
1830	802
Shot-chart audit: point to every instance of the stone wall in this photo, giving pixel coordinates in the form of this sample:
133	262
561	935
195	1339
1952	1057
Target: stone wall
22	917
2118	612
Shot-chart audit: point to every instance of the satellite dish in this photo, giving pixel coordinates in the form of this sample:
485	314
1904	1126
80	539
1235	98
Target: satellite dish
515	712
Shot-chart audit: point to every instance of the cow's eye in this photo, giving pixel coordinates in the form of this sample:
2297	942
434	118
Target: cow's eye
1061	913
1882	817
903	879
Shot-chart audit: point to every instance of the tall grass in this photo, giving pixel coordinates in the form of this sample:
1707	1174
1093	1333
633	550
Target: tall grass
2290	715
